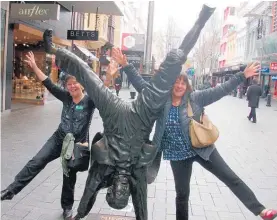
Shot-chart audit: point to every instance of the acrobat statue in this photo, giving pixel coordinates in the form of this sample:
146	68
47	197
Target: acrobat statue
121	155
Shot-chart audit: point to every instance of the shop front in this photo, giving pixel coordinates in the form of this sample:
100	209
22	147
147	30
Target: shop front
273	86
4	15
26	87
24	34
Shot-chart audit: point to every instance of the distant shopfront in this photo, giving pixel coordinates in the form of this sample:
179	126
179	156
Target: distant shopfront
267	55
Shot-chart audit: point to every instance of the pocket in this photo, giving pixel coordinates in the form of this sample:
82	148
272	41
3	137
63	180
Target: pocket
148	153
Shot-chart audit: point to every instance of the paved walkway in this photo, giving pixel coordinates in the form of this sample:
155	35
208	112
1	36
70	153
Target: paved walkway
250	149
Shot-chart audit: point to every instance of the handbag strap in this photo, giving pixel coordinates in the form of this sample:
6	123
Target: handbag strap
190	112
71	117
189	109
87	135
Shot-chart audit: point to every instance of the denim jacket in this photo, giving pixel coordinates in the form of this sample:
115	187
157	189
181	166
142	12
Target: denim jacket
198	100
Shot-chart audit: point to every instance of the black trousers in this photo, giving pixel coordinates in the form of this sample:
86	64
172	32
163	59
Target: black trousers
252	114
101	176
217	166
50	151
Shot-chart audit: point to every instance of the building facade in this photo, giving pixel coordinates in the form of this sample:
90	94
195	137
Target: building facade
227	44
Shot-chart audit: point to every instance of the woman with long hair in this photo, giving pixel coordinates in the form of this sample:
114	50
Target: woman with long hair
173	140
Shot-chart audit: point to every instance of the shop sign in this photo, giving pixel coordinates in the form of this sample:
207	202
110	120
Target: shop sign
273	66
133	42
35	11
82	35
264	70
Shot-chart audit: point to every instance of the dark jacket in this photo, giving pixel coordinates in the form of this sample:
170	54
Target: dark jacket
253	95
198	100
76	115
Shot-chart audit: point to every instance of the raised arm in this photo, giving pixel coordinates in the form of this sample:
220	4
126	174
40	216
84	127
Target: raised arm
208	96
59	93
155	96
133	76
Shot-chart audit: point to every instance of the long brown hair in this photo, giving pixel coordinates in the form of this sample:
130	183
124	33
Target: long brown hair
184	76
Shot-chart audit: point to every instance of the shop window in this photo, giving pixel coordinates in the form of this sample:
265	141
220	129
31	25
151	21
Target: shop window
111	27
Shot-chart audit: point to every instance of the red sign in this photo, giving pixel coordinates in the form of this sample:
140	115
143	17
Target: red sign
273	66
133	42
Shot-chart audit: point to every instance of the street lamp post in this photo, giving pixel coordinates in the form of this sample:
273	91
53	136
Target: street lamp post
149	38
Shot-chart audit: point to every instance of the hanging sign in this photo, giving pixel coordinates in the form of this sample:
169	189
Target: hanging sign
82	35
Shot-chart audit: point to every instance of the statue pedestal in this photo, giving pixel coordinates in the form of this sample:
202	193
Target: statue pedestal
108	217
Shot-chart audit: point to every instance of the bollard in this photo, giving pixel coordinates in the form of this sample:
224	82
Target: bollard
240	94
235	93
268	100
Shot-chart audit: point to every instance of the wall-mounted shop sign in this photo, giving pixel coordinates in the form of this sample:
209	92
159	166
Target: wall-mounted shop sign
35	11
265	70
82	35
274	78
133	42
273	66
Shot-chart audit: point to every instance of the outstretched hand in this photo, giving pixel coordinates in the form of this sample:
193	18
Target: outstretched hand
112	68
30	60
119	57
252	69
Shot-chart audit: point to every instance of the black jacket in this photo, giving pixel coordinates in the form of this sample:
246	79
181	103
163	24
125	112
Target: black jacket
76	115
253	95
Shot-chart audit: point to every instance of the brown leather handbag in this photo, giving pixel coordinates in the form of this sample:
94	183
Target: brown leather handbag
202	134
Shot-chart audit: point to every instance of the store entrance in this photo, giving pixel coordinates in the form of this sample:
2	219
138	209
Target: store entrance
27	89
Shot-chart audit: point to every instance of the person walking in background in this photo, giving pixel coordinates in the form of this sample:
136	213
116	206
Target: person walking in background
253	96
117	84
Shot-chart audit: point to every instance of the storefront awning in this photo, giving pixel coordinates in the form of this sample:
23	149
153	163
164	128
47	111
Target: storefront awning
87	53
104	7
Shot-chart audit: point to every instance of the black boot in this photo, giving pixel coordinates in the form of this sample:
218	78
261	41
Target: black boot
6	195
67	214
47	40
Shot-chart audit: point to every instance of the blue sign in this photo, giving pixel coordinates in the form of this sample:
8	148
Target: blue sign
265	70
274	78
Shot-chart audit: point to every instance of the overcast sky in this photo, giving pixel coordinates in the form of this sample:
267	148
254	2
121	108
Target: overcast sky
185	12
